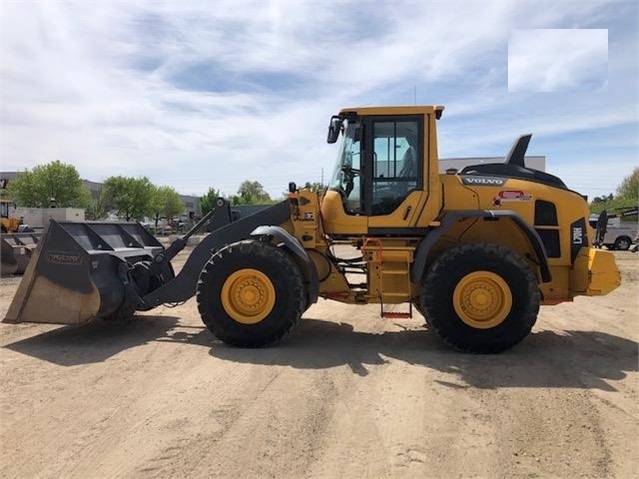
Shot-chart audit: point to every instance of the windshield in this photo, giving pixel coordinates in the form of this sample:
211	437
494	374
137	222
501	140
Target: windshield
346	174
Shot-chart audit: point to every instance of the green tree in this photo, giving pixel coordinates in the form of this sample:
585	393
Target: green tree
612	206
316	187
128	197
166	202
207	202
629	187
627	196
602	199
53	182
251	193
97	209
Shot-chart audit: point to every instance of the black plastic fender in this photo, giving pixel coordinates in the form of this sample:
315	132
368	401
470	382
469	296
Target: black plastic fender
421	254
291	243
184	285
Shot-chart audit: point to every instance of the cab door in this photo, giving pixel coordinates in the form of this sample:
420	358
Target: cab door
393	173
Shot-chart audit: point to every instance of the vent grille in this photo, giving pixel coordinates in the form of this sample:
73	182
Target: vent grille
550	239
545	213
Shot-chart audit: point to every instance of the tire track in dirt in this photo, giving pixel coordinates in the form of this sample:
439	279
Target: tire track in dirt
268	431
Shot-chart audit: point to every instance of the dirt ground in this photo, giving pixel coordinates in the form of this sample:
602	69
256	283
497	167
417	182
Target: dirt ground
348	394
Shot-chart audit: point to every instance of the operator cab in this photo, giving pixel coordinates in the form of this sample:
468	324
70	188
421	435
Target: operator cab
380	183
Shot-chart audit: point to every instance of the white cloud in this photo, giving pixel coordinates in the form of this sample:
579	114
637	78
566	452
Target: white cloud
197	94
546	60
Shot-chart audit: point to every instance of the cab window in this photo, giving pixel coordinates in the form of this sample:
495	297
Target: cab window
396	163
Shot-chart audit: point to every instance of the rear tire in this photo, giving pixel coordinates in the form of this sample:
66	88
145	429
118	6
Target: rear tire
251	294
480	298
622	243
419	308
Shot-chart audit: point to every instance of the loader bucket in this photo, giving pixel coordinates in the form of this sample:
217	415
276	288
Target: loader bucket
16	251
78	272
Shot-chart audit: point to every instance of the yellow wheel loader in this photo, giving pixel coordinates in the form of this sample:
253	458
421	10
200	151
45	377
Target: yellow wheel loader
476	251
8	223
15	248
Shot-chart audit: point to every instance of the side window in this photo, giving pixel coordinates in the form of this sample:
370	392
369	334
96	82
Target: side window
351	175
397	163
347	176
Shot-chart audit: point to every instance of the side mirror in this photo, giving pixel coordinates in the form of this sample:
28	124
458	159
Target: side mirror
334	129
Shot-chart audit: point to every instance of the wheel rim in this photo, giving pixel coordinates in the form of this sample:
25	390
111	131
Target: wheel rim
623	244
482	299
248	296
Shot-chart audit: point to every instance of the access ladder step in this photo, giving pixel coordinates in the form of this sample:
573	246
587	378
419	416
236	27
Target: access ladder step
396	315
395	271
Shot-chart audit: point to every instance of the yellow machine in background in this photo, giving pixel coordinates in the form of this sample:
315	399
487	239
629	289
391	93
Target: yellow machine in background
8	223
476	251
15	247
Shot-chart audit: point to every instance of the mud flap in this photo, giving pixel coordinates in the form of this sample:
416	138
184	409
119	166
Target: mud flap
75	272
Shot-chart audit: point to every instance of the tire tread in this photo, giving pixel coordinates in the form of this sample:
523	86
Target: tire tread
282	262
431	294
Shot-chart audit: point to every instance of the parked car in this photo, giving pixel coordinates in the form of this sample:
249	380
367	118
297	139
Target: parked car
618	235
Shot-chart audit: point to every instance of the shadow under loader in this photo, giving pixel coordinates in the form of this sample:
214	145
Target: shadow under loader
569	359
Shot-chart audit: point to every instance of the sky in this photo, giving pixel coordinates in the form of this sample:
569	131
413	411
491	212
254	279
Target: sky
208	94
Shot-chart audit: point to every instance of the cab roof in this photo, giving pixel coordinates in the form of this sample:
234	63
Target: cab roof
394	110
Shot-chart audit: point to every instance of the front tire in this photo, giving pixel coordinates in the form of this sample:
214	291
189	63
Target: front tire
124	314
480	298
251	294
